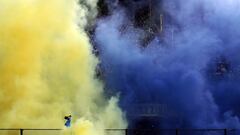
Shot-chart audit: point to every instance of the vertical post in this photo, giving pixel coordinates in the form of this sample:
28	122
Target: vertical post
21	131
126	131
161	22
150	8
225	131
177	131
172	36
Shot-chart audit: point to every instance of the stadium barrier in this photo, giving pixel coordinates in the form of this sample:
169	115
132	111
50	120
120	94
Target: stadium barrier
23	131
173	131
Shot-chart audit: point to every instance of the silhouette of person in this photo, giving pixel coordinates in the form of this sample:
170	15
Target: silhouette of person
68	120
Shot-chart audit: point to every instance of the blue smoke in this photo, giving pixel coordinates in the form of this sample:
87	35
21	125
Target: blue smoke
193	69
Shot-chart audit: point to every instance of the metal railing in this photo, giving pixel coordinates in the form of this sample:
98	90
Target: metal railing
173	131
22	131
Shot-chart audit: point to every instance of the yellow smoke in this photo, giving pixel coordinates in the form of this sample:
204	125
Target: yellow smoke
47	69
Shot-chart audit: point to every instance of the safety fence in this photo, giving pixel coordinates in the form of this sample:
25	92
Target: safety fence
173	131
30	131
127	132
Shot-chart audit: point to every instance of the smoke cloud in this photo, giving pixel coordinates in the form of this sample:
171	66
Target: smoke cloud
193	66
47	68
